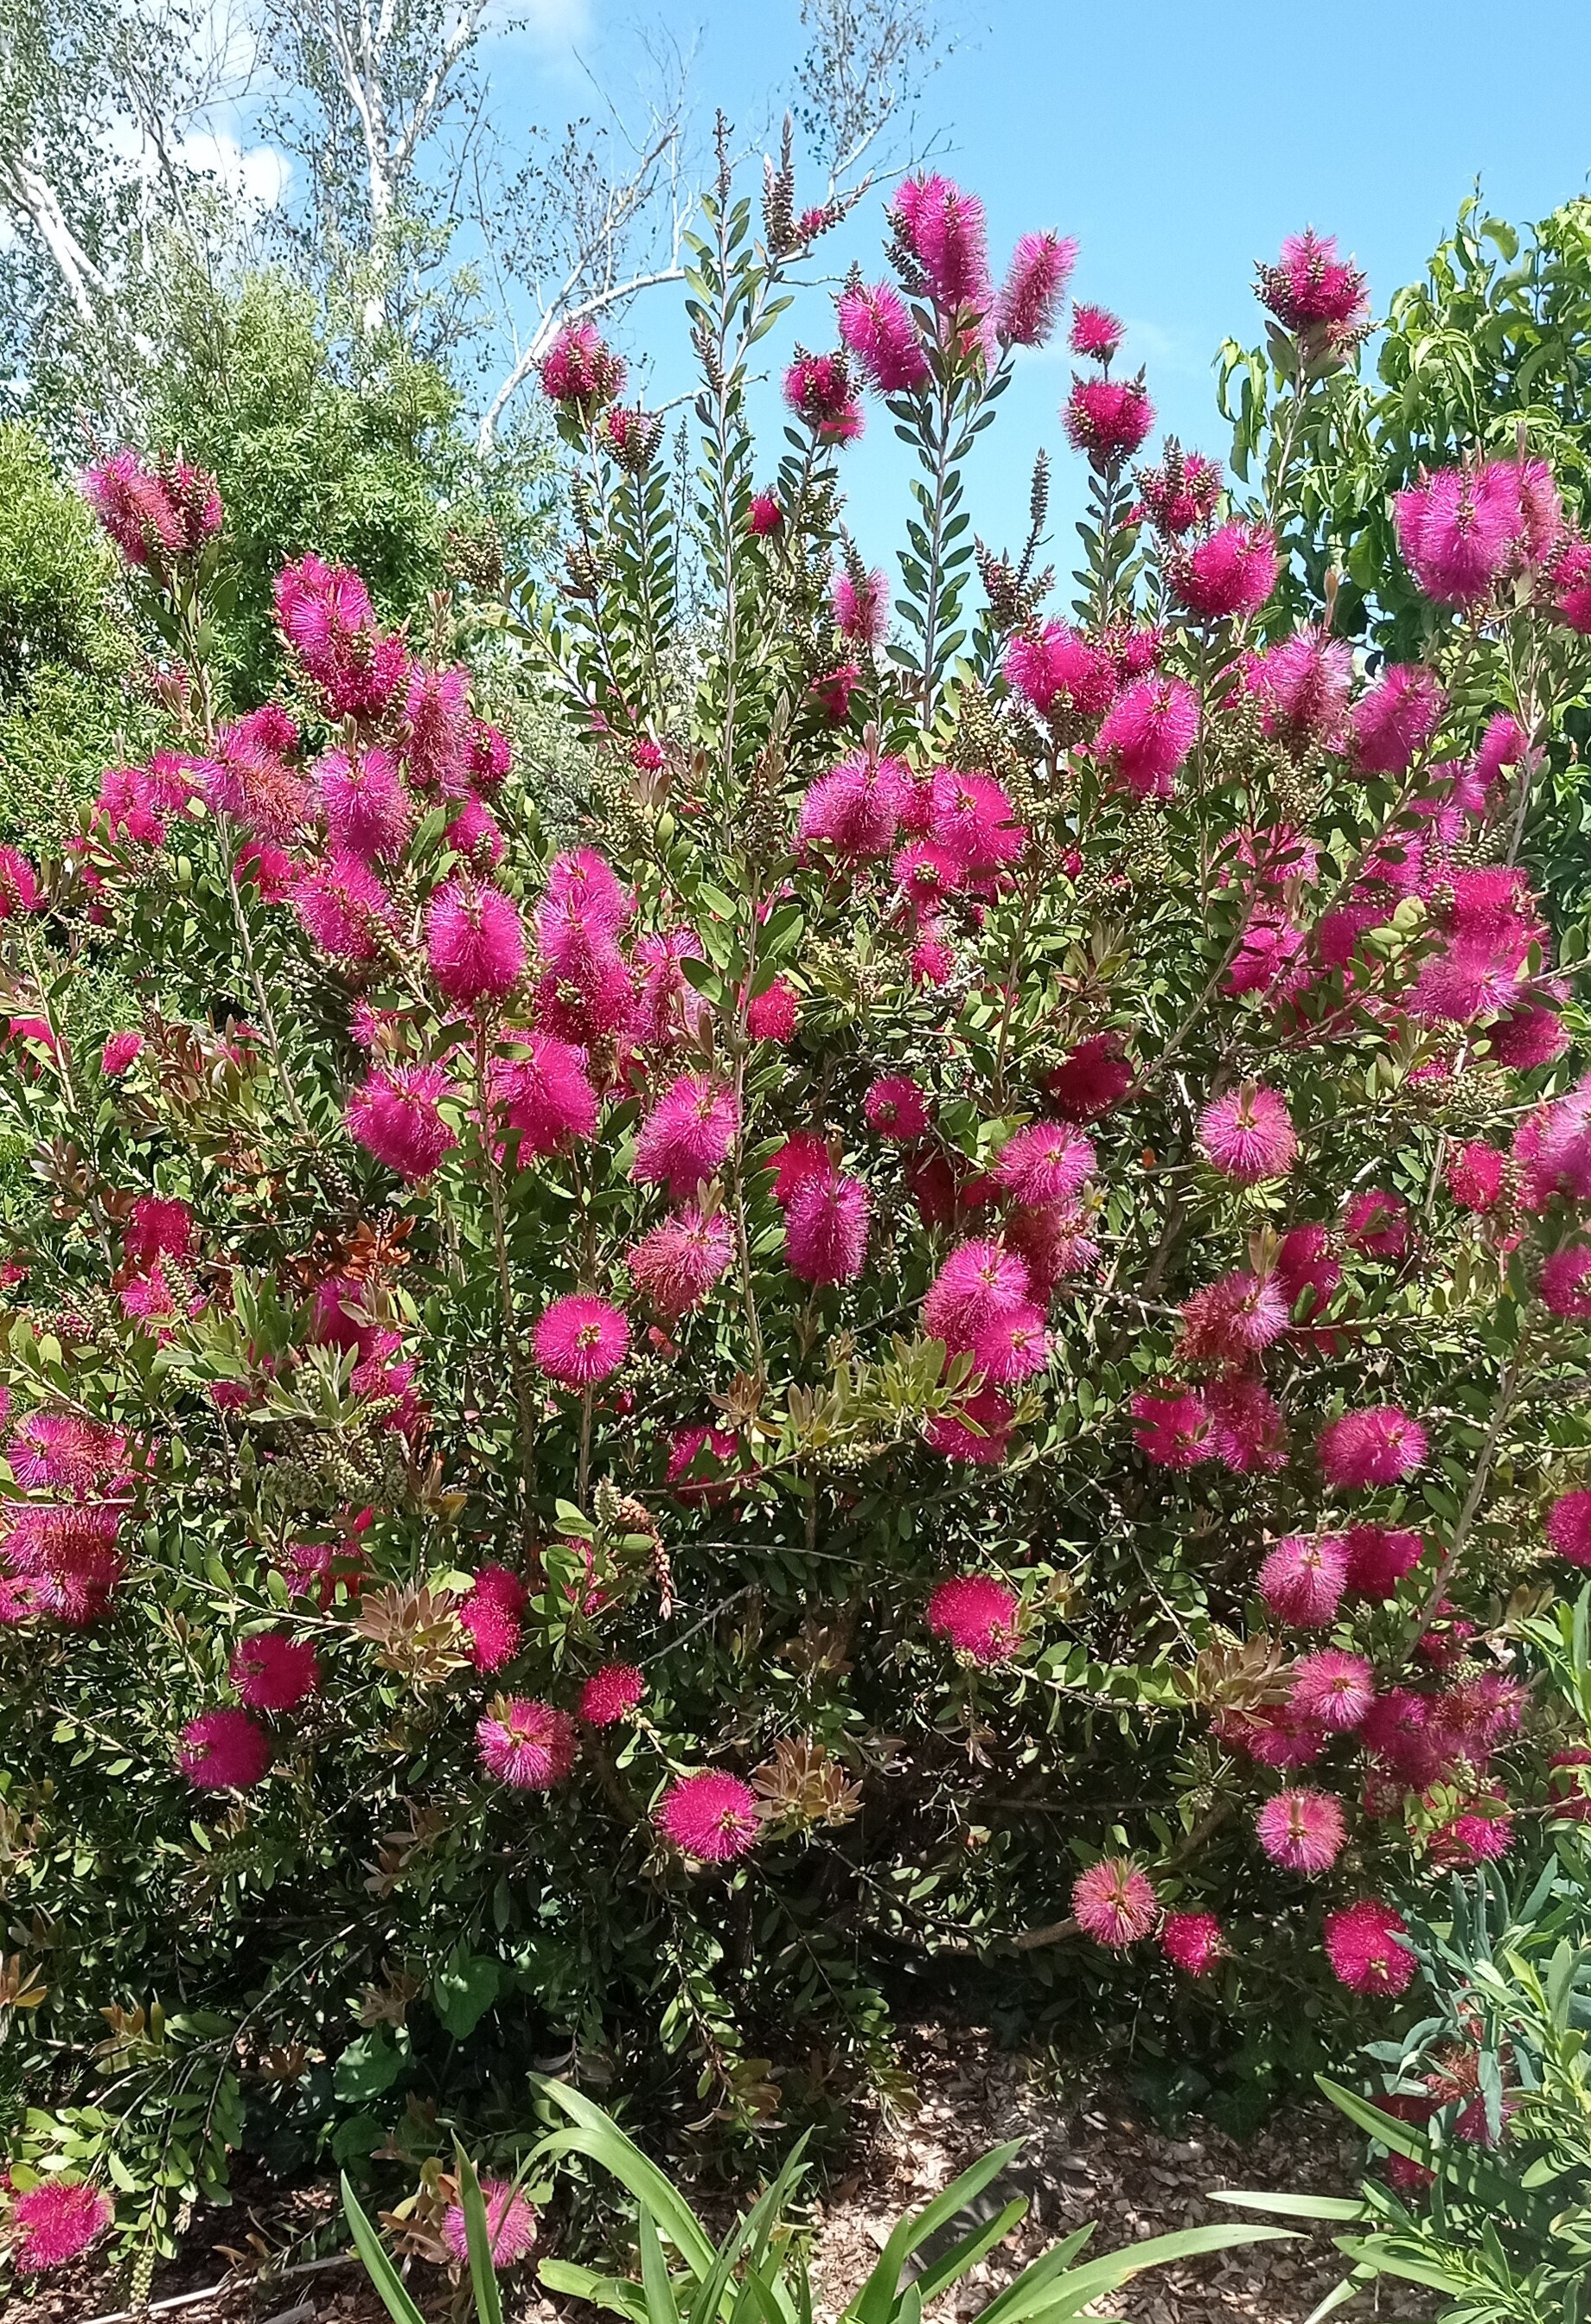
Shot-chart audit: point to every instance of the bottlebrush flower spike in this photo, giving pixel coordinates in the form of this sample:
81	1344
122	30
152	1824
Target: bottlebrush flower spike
1096	332
396	1114
610	1694
1248	1135
581	369
326	617
678	1262
942	234
1147	734
1303	1579
1332	1689
825	1228
579	1341
1458	529
157	517
528	1744
1396	719
368	812
862	607
1568	1527
895	1108
440	732
1378	1557
492	1616
710	1817
1031	296
1302	1830
687	1134
224	1750
1061	673
542	1091
474	943
1304	683
1193	1941
979	1282
978	1431
1108	419
1048	1162
856	808
976	1615
1376	1223
272	1671
19	886
1564	1283
1378	1445
511	2225
1311	287
1173	1428
344	909
1115	1903
876	328
1365	1945
52	2222
817	390
1229	575
1093	1078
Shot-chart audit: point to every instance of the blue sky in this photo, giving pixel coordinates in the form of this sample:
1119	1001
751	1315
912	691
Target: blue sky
1178	142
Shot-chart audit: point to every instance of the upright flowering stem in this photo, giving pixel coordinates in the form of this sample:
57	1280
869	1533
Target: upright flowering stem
518	1364
1502	1411
585	1470
940	467
262	997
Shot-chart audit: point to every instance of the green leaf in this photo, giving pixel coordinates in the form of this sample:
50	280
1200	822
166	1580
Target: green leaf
477	2237
1292	2206
366	2067
463	1991
599	2136
877	2301
378	2267
609	2291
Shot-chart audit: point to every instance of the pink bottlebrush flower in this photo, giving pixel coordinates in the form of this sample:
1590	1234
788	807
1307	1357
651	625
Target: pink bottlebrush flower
1365	1945
942	229
1568	1527
119	1053
1557	1148
1379	1445
825	1228
1396	719
580	1341
1193	1942
1397	1732
1267	956
158	1228
1096	332
368	812
926	874
1527	1036
1568	1783
1273	1736
474	834
711	1817
1247	1430
1376	1223
1304	683
862	609
326	617
156	516
344	908
1031	296
440	730
687	1135
1458	529
896	1109
491	1614
475	943
1303	1578
610	1694
1481	1833
544	1094
1571	585
1115	1903
52	2222
265	869
396	1115
832	692
1182	491
1332	1689
1147	734
933	960
1307	1268
804	1155
668	1011
678	1262
972	816
64	1559
1248	1135
1013	1346
1302	1830
1092	1078
1049	1162
698	1459
1231	1319
1310	286
1230	575
528	1744
979	1282
19	887
490	755
856	808
817	390
1173	1430
876	327
1564	1283
978	1432
138	802
586	886
580	368
66	1453
150	1299
272	1671
511	2225
976	1615
1108	419
251	781
224	1751
766	516
771	1016
1061	673
1379	1556
1474	1176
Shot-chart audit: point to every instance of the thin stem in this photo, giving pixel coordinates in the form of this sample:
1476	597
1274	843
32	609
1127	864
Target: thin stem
1502	1413
936	549
262	998
523	1389
584	1474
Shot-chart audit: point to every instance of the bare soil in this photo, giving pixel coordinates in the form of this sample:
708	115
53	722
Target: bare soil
1087	2156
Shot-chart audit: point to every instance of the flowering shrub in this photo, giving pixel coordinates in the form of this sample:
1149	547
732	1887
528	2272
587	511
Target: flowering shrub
965	1326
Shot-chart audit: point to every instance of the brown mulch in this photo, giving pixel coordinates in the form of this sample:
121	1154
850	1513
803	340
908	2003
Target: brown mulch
1086	2156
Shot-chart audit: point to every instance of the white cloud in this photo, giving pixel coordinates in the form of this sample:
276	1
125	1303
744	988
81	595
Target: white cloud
556	23
255	174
